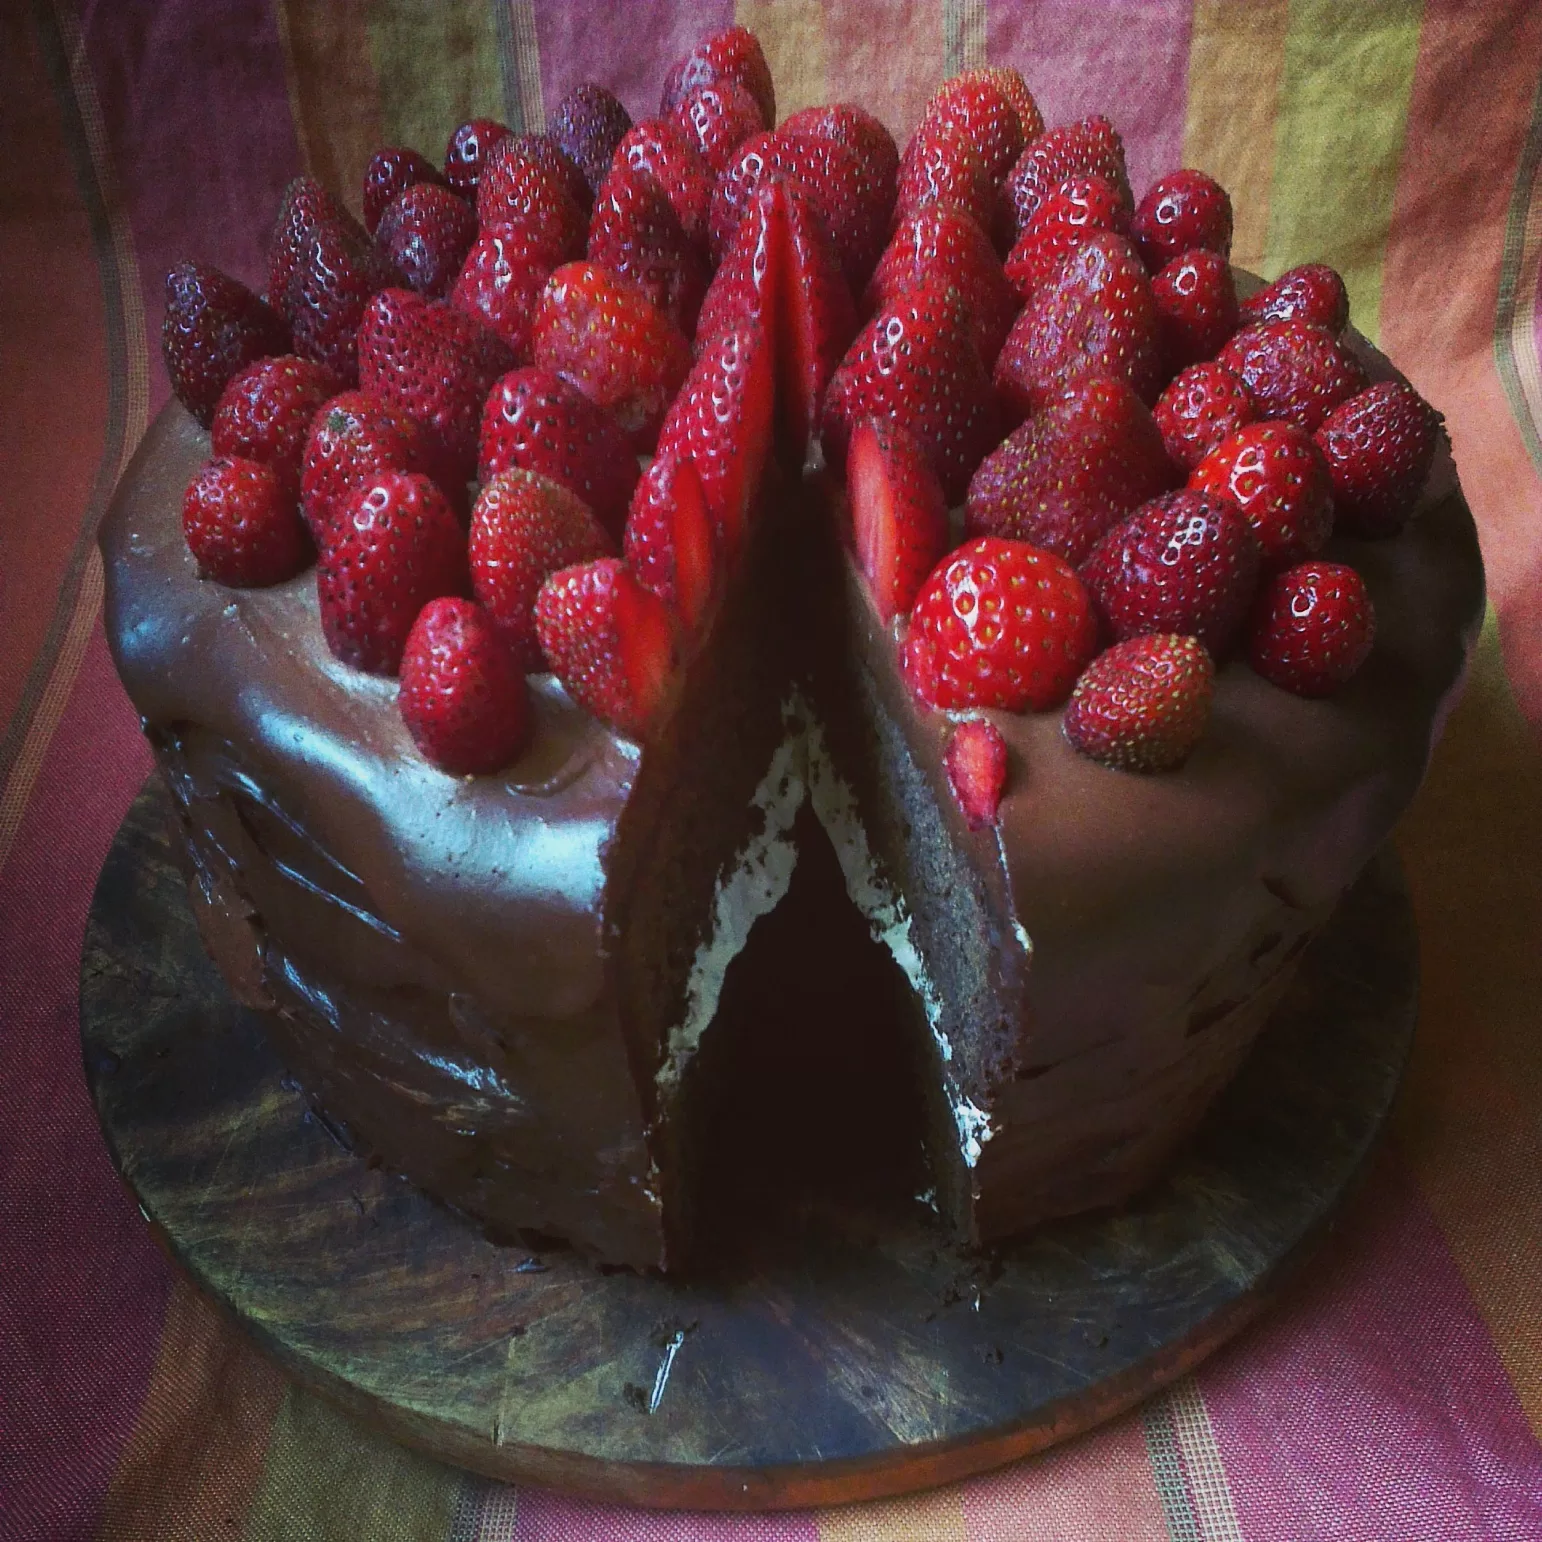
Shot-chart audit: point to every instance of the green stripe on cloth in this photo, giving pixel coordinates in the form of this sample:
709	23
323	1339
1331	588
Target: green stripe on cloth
1167	1470
1515	321
1335	172
326	1476
963	35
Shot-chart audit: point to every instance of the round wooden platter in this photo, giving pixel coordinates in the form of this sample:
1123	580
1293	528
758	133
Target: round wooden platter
853	1366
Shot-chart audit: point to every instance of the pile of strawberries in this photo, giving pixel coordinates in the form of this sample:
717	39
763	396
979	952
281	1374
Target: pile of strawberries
517	418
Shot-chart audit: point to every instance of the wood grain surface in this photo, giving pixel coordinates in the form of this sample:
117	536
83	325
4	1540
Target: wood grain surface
867	1360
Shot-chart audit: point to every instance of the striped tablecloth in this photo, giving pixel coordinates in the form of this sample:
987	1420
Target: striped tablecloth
1398	1392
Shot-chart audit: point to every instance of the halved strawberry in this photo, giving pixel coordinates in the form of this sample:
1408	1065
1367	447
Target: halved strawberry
1143	705
468	152
391	171
916	362
214	327
721	421
523	528
607	337
587	125
669	542
1312	628
1198	409
1278	477
662	149
862	134
1090	148
537	421
427	231
242	526
517	192
976	758
611	642
1182	212
1312	292
462	698
1294	370
1196	302
636	233
942	164
899	521
717	119
1071	473
732	54
265	413
1379	446
1079	206
500	283
339	270
1096	314
974	103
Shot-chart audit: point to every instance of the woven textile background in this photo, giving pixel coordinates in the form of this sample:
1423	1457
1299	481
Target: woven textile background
1398	1392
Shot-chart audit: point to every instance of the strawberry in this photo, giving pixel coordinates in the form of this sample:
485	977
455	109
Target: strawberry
242	526
537	421
1205	404
1079	206
1294	370
1379	446
1007	626
305	205
721	421
941	164
517	192
1068	475
1312	628
975	104
1184	562
899	522
1313	292
394	545
1014	88
942	241
549	156
340	270
1143	705
1090	148
638	236
352	439
861	133
587	125
734	54
662	149
437	364
1096	314
523	528
916	362
214	327
500	283
390	173
669	543
265	413
427	232
1182	212
605	336
462	697
468	150
976	761
609	641
1277	476
1196	302
717	119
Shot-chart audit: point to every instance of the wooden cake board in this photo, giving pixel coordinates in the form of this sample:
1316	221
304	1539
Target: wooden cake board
860	1367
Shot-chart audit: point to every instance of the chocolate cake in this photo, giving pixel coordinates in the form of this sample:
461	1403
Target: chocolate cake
529	991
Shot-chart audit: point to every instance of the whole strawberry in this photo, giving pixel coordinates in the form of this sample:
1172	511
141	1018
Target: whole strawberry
339	269
265	414
241	525
1312	292
1379	446
1184	563
942	164
436	364
395	544
609	641
587	125
662	149
733	54
1312	628
1090	148
501	282
669	542
351	440
1203	405
463	700
214	327
1079	206
426	232
1095	315
605	336
916	362
1065	477
549	156
1277	476
1005	625
390	173
523	528
862	134
637	235
470	147
536	421
1143	705
518	192
717	119
1196	305
976	761
1294	370
1182	212
974	103
305	204
899	521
